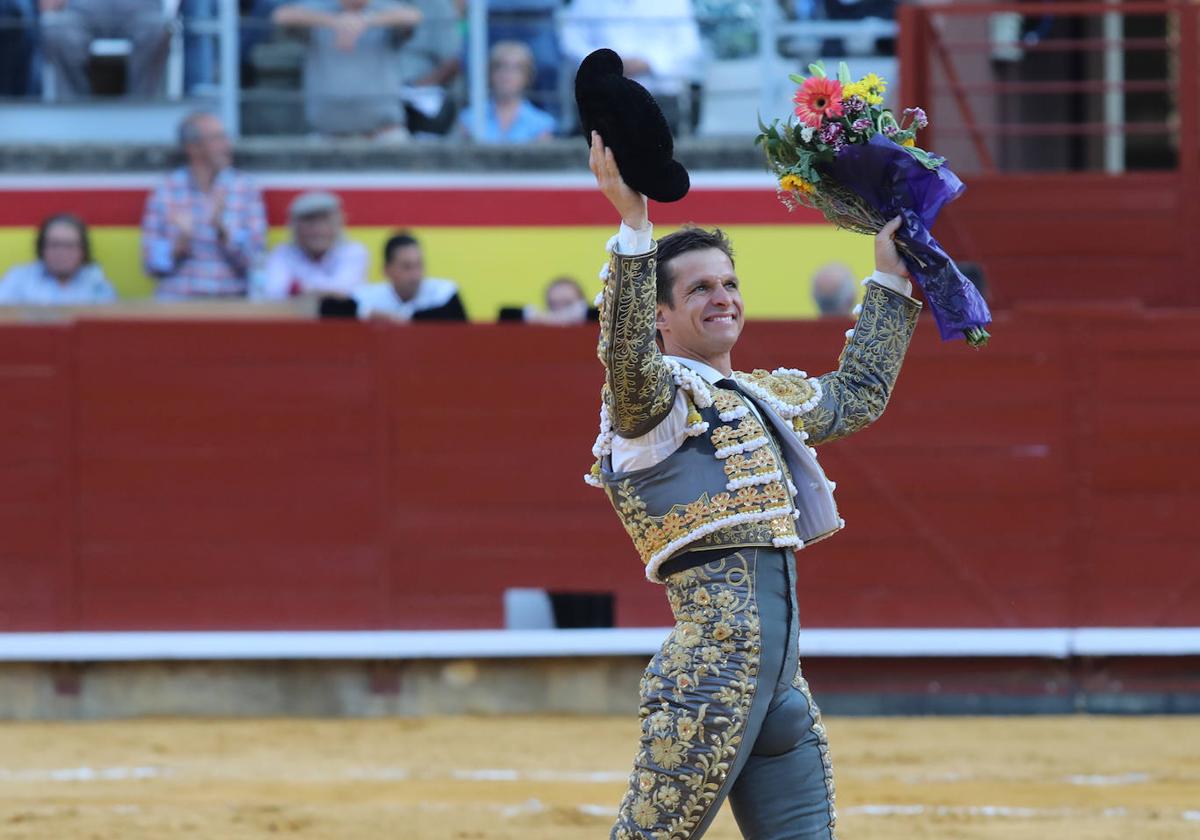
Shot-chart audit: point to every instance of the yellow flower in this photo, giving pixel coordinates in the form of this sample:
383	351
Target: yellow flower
870	87
855	89
910	142
794	183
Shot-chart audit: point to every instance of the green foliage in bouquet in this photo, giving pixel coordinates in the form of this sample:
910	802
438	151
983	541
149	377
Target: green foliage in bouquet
831	114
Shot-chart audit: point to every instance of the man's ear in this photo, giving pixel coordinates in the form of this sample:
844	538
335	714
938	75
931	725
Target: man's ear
659	316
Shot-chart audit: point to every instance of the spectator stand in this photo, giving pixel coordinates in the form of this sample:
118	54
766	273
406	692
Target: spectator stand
47	118
121	49
748	49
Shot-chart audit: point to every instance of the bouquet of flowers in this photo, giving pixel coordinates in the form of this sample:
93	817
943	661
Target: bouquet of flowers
848	157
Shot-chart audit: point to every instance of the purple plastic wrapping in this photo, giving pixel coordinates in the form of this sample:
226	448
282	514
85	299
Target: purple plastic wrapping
894	182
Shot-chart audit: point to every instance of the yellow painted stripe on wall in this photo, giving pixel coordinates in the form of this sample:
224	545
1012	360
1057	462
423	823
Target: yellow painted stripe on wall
498	266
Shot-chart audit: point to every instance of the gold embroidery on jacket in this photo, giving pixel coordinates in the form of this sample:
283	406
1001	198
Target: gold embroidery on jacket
738	433
641	388
652	535
758	462
856	393
788	388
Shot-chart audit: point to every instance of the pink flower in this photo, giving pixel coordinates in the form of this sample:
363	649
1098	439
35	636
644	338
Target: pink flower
861	124
818	98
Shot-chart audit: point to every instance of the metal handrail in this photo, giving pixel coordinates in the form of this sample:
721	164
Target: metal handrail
930	67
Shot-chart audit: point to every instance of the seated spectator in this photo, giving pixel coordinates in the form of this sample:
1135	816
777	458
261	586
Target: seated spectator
318	259
204	226
834	289
510	118
659	43
17	21
409	295
565	305
351	81
63	275
429	63
531	22
69	27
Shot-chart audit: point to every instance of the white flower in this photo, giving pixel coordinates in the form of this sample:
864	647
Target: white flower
806	134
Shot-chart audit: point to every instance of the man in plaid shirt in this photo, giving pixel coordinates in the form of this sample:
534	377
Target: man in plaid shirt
205	225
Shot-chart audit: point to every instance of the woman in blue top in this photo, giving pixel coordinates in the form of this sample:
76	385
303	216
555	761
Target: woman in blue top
64	273
510	117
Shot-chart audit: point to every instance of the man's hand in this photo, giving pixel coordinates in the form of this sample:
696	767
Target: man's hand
635	65
887	258
180	218
629	203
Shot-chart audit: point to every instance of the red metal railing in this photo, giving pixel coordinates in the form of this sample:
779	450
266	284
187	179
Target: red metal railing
948	68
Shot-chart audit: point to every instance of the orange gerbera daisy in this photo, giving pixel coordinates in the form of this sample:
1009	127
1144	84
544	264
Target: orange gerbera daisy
818	98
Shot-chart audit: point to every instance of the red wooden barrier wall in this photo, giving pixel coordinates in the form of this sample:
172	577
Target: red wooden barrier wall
329	475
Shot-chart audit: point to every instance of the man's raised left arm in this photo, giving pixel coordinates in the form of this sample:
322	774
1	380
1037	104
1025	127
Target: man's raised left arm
855	395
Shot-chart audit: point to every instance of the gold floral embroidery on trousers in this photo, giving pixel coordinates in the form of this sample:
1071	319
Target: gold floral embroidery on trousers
696	698
818	729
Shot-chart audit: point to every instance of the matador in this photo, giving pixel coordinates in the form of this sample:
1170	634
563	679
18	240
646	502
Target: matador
714	474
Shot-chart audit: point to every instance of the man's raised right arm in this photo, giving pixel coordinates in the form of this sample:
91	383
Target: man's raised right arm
638	387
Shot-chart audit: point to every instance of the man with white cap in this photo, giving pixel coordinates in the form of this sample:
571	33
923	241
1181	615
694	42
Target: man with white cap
319	259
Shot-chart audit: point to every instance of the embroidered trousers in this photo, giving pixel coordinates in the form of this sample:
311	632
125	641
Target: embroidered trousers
726	713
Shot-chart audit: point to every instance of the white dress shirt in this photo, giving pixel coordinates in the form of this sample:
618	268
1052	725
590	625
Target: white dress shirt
290	271
657	444
664	33
382	298
31	285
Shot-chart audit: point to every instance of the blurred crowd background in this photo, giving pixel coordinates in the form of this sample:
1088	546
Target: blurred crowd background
497	71
204	74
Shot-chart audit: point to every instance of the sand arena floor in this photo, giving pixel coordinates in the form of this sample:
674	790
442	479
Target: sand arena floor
538	778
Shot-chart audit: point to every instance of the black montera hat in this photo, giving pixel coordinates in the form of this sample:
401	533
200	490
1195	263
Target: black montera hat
631	124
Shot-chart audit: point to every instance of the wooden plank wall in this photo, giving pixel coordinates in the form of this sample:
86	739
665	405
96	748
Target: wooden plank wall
328	475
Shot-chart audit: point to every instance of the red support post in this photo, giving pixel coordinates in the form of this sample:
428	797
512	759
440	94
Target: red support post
1188	103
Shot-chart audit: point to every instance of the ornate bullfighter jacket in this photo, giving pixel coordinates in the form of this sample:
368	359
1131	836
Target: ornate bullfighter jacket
742	477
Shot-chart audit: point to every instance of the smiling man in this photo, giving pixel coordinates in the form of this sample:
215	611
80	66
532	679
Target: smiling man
713	474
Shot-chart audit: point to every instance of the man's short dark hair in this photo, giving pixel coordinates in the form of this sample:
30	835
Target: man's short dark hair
687	238
403	239
64	219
